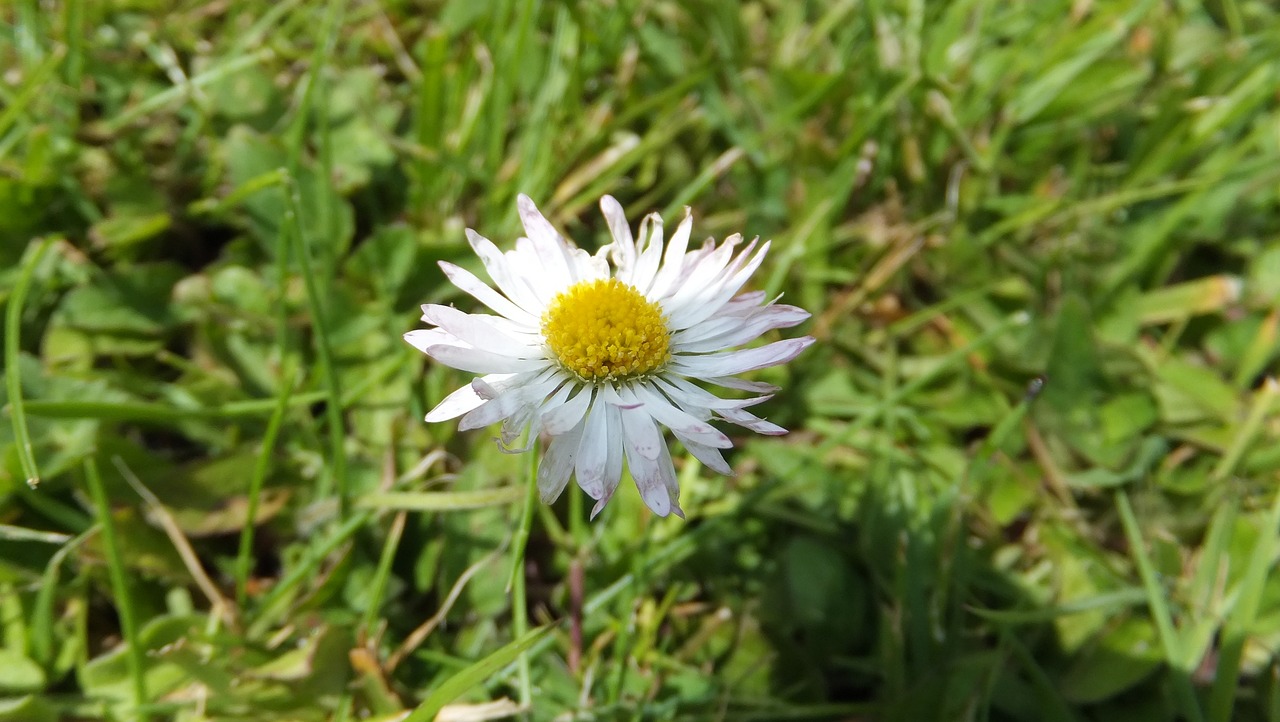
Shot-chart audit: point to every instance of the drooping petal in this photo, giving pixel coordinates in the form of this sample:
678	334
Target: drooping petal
557	465
641	432
593	453
613	466
710	457
649	472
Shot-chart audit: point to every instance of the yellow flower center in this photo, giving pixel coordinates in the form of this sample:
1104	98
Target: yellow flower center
606	330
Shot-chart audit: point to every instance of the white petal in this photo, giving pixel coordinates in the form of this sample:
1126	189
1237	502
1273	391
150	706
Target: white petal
477	289
613	467
475	330
651	256
482	362
552	249
424	338
536	280
588	267
593	452
568	415
507	277
557	465
767	319
736	362
465	399
624	246
674	258
455	404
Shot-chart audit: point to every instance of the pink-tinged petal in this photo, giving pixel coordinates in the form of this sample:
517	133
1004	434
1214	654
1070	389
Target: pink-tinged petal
729	382
593	452
567	415
624	245
641	432
482	362
649	472
767	319
424	338
673	260
500	269
736	362
709	301
481	292
748	420
475	330
557	465
681	423
700	271
710	457
694	400
669	480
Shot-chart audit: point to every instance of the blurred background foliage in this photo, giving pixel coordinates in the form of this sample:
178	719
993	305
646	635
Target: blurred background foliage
1033	467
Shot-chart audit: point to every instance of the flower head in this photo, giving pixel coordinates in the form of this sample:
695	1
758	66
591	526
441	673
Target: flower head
600	352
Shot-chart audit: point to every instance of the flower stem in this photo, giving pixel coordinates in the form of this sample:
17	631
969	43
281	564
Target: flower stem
516	582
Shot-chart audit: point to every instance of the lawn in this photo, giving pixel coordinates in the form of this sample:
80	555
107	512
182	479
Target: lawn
1032	467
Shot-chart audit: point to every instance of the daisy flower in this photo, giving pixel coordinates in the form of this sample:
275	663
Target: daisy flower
599	352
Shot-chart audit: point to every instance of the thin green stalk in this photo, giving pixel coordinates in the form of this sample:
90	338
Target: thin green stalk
1235	630
1158	605
324	354
119	588
13	373
519	602
255	490
383	574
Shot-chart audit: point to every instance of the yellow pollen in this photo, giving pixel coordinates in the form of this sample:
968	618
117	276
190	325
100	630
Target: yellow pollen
606	330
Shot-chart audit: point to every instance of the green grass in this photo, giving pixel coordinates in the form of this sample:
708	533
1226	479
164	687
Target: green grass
1033	467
